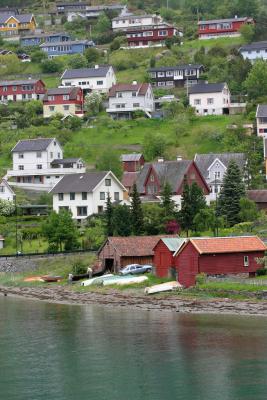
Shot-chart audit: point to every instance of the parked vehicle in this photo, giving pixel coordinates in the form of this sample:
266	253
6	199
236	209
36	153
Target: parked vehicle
133	269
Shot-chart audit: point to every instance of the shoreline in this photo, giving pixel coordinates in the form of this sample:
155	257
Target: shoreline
138	300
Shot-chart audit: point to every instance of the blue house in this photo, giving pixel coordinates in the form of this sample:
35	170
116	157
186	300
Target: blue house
63	48
37	39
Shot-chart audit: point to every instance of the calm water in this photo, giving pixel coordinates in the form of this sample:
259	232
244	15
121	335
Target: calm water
60	352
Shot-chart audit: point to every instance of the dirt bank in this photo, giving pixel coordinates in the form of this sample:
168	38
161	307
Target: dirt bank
132	299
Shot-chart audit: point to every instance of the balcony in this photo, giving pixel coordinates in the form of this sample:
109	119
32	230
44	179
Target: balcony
48	171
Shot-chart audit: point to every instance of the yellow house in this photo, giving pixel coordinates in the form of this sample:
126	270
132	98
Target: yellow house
17	25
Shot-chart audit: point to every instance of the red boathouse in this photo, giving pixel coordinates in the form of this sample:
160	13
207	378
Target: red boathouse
218	256
163	256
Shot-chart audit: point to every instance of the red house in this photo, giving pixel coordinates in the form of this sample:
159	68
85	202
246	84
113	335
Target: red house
131	164
218	256
150	35
222	27
153	176
28	89
65	100
163	255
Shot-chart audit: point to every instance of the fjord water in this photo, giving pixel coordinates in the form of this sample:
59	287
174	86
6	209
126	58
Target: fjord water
61	352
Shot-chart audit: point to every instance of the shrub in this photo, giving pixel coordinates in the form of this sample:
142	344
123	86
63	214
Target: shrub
79	268
261	272
201	278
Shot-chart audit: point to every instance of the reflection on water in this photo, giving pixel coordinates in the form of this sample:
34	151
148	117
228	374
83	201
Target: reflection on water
61	352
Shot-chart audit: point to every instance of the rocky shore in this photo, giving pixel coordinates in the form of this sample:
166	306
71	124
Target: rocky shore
130	299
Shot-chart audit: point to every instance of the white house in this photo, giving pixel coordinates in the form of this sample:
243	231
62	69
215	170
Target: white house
124	22
210	98
6	192
100	78
261	118
86	194
38	164
214	166
254	51
93	12
124	99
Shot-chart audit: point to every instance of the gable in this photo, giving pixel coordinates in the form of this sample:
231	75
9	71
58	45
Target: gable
194	175
12	20
216	164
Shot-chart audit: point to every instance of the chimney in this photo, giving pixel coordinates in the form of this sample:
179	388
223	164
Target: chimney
96	66
236	16
160	159
134	82
179	158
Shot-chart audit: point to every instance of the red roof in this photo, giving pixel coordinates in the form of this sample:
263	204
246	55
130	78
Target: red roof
129	178
140	88
259	196
228	244
135	246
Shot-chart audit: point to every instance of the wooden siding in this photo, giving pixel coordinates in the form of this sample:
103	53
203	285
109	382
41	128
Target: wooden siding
163	260
186	264
37	88
193	175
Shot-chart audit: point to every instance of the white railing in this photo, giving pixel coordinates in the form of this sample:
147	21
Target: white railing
48	171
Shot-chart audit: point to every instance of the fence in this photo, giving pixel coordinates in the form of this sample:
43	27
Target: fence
243	281
45	255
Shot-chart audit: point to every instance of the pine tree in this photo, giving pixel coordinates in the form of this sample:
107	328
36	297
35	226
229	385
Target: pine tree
136	212
232	191
193	201
109	216
121	220
167	203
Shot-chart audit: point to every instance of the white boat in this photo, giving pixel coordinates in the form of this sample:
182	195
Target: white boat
124	280
163	287
96	281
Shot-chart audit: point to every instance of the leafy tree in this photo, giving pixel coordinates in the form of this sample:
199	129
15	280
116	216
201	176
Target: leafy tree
103	23
256	82
77	61
109	161
60	231
95	233
73	123
92	55
248	210
232	191
37	56
153	219
167	203
136	212
193	200
206	219
247	32
121	220
109	217
49	66
92	103
154	146
152	62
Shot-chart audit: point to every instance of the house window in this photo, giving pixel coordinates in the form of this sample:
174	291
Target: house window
197	102
84	196
82	211
108	182
163	33
210	101
136	105
2	189
39	166
119	94
246	261
14	88
72	196
161	74
66	97
99	83
51	98
152	178
5	89
153	74
134	94
51	108
100	209
39	154
217	174
116	196
51	154
21	155
169	73
60	196
21	167
66	108
102	195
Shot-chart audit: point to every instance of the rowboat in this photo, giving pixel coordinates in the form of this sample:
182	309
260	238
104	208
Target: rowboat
163	287
96	281
124	280
47	278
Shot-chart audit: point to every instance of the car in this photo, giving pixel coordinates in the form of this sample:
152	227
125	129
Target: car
133	269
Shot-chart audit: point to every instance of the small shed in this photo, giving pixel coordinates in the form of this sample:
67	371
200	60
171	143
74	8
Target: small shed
218	256
259	197
163	256
118	252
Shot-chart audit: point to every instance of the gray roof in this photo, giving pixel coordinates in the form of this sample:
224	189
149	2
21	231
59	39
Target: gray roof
22	18
172	172
21	82
102	70
78	183
218	21
72	91
204	161
65	43
177	67
206	88
173	244
254	46
261	111
32	145
131	157
130	15
45	35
